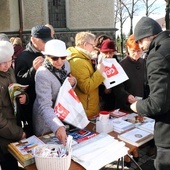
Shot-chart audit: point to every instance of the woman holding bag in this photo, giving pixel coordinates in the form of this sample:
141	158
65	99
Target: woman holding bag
48	80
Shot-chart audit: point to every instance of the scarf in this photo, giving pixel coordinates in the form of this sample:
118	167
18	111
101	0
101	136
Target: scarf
61	74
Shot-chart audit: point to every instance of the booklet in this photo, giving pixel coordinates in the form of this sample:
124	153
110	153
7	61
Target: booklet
136	137
80	135
148	126
23	150
120	125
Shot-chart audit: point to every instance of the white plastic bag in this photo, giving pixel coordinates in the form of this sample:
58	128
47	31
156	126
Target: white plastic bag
114	73
69	108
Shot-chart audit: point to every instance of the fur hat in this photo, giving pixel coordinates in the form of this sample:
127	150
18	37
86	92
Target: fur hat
6	51
42	32
146	27
55	48
107	46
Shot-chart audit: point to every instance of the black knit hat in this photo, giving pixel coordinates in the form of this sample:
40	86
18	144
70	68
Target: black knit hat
42	32
146	27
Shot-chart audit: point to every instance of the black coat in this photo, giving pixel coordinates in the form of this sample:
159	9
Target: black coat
25	74
157	104
135	70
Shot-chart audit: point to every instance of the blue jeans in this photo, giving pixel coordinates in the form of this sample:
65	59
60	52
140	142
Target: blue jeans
162	161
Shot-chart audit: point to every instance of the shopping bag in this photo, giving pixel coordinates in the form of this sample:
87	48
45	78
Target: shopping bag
68	107
113	73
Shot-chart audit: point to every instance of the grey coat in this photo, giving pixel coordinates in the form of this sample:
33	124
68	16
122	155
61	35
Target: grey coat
157	105
47	87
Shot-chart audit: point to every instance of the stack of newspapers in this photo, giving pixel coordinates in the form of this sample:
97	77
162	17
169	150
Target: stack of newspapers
98	151
136	137
120	125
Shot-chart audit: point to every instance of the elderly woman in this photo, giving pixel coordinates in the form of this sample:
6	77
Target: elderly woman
134	88
107	97
88	79
9	130
48	80
134	66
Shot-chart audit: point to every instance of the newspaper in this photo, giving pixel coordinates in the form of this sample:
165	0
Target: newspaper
16	89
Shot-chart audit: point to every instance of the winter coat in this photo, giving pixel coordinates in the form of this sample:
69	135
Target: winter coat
47	88
135	70
9	131
25	74
157	104
88	80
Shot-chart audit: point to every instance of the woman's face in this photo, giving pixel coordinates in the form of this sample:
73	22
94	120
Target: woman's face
134	54
57	62
5	66
89	45
108	54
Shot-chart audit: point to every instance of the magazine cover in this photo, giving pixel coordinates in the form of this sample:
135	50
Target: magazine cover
80	135
23	150
16	89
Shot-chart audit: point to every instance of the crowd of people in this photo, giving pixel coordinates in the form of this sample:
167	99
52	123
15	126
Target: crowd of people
46	62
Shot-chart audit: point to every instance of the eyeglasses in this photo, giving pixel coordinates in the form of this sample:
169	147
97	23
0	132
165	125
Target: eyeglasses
57	58
93	45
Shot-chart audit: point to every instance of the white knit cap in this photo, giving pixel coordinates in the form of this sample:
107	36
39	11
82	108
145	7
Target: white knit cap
6	51
56	48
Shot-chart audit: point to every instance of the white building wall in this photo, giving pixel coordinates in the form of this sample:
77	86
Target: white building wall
81	14
34	12
90	14
9	19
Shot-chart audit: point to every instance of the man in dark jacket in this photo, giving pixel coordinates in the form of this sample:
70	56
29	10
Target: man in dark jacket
155	43
26	65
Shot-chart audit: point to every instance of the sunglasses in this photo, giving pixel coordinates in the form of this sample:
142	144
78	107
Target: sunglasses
56	58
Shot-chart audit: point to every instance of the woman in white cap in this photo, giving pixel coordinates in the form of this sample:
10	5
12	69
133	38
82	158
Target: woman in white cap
9	130
48	80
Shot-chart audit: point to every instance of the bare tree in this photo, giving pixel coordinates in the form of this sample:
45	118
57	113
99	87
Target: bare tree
131	8
116	12
125	9
121	17
149	7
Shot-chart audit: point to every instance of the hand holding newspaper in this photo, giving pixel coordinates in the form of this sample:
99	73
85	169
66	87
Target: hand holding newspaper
16	89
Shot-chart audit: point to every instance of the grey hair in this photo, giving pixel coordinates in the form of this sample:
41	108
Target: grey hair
82	37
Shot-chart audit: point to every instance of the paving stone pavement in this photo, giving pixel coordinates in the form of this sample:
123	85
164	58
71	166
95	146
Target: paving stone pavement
145	162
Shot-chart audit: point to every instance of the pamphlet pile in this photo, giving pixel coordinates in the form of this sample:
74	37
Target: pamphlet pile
80	135
120	125
136	137
148	126
136	119
98	151
52	139
23	150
